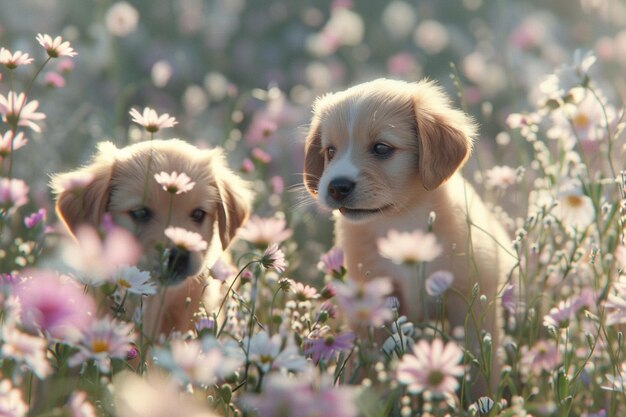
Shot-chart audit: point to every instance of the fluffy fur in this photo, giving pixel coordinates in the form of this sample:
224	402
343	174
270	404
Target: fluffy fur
216	207
385	154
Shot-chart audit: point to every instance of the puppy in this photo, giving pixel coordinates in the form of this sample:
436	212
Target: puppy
124	186
385	154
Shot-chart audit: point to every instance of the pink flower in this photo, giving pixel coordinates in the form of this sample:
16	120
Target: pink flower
247	165
185	239
12	61
35	218
54	79
527	123
102	340
26	349
55	47
433	367
261	156
78	406
98	259
65	65
278	184
561	315
364	302
304	292
5	143
401	64
508	299
616	302
544	356
409	247
326	345
222	270
260	129
11	403
286	396
54	305
14	110
501	177
13	193
331	262
174	183
274	259
151	121
262	231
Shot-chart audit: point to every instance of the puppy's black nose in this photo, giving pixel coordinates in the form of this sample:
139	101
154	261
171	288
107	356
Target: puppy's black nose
176	262
340	188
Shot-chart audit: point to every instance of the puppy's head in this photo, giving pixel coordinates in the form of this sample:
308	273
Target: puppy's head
374	148
123	185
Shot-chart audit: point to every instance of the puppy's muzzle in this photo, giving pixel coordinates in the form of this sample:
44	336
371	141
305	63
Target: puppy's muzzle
176	265
340	188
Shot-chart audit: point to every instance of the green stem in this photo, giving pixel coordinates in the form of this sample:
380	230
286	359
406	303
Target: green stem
230	288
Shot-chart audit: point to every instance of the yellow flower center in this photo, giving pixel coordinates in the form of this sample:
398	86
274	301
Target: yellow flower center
435	377
574	201
99	346
580	121
265	359
123	283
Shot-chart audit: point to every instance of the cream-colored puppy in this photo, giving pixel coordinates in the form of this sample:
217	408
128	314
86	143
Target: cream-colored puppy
385	154
124	186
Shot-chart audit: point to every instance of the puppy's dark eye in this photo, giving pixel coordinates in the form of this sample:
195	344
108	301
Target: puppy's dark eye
198	215
330	152
381	149
141	215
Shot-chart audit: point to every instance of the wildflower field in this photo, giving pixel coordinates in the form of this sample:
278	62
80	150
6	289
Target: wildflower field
293	335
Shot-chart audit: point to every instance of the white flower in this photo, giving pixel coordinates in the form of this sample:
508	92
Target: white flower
501	177
558	85
189	362
27	349
575	209
409	247
616	303
151	121
121	19
133	280
14	60
432	366
174	183
15	110
154	395
364	302
55	47
11	403
266	353
104	339
185	239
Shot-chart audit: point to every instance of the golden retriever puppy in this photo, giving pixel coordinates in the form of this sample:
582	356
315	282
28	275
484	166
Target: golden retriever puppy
385	154
124	186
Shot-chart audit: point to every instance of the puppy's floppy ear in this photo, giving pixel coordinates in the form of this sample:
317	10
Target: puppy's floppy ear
235	199
76	205
313	159
445	134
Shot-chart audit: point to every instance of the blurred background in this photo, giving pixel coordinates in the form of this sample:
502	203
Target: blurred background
243	73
